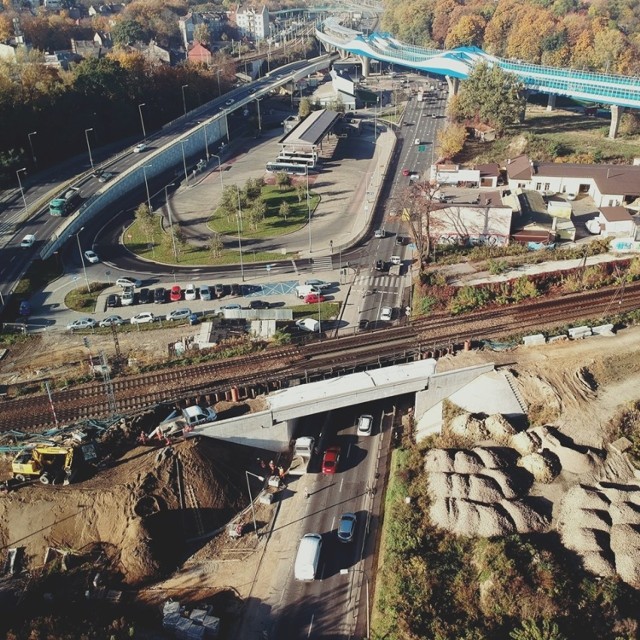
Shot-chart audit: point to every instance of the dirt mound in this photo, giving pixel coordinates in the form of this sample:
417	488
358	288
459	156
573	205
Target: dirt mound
439	460
499	428
467	426
145	506
544	466
490	458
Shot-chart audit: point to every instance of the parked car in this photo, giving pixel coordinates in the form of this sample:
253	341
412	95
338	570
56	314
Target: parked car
111	320
219	290
128	282
143	318
25	308
205	292
365	425
190	292
139	147
321	285
28	241
81	323
330	460
381	265
128	297
347	527
230	306
405	172
258	304
176	293
159	295
308	324
179	314
113	300
312	298
386	313
235	289
193	319
399	240
91	256
144	296
396	260
363	325
380	233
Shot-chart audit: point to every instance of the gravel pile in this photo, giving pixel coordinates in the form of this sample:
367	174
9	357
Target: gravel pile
599	563
526	442
484	489
499	428
439	460
509	486
544	466
490	458
620	492
584	540
624	513
571	459
439	484
467	462
525	518
467	426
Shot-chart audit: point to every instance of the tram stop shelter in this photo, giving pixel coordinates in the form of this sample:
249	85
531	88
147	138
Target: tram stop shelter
306	137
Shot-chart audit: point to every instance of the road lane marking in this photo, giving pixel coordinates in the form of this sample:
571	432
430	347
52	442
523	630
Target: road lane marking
333	521
310	625
341	485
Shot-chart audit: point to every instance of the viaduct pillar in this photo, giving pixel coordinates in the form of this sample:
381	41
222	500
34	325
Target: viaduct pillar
615	121
365	66
551	103
453	84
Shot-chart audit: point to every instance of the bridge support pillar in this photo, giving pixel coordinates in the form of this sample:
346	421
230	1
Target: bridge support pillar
615	121
365	66
453	84
551	102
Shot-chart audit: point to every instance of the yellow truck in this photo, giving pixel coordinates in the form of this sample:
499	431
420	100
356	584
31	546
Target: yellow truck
52	464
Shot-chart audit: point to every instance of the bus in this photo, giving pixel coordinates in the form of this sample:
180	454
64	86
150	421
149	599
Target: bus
65	203
308	159
288	167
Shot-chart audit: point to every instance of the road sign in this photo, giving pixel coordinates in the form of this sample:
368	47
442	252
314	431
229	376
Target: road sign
422	148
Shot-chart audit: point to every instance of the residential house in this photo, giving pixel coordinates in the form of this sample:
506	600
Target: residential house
616	221
216	22
61	59
252	23
199	54
483	132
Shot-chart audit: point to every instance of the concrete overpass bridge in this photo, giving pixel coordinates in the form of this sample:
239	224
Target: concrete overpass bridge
613	90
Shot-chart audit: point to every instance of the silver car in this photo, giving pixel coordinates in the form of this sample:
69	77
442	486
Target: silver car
179	314
81	323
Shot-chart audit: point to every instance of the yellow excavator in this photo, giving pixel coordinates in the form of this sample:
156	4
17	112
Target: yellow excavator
51	464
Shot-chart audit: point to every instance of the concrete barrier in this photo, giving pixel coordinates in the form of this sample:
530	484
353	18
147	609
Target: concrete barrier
534	340
603	330
579	332
561	338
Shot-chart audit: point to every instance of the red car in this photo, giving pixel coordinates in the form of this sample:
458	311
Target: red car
405	172
314	297
330	460
176	293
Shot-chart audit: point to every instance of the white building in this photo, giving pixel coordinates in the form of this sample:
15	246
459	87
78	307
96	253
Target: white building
253	23
616	221
470	225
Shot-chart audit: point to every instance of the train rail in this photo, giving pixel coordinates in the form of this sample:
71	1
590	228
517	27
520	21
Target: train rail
318	359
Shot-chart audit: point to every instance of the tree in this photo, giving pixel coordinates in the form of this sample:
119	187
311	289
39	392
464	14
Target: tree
228	204
202	34
531	630
144	218
468	31
451	140
175	241
216	245
285	209
489	95
253	188
301	192
283	180
127	32
304	108
257	213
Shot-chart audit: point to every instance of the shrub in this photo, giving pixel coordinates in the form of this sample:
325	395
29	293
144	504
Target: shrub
496	267
469	298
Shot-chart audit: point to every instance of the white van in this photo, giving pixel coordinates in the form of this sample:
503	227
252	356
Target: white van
308	557
303	290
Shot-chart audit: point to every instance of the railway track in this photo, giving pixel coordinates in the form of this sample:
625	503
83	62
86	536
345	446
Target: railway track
316	360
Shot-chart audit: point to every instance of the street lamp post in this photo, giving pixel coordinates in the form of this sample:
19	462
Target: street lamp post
86	135
144	132
184	161
213	155
173	238
253	511
259	117
238	218
306	172
33	155
184	100
84	266
218	74
24	200
146	184
206	141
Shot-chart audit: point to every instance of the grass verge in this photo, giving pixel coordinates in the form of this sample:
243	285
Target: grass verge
83	300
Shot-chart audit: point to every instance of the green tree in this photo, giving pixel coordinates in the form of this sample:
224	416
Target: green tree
301	192
253	188
228	204
489	95
127	32
175	241
257	213
283	180
144	218
285	209
532	630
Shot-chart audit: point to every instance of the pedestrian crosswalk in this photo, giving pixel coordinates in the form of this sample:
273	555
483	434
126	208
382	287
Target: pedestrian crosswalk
323	263
381	283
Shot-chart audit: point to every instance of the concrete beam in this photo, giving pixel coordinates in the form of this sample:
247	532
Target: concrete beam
615	121
551	102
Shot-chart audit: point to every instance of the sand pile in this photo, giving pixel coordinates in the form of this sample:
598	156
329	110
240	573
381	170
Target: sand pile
543	466
578	460
526	442
480	500
602	525
133	508
499	428
467	426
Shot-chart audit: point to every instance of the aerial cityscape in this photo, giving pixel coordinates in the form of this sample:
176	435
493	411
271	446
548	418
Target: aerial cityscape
320	321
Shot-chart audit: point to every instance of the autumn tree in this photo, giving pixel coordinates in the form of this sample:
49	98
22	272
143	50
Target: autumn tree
283	180
285	210
468	31
451	140
202	34
301	192
216	245
304	108
257	212
489	95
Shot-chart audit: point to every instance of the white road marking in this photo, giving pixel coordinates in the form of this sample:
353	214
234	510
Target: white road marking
310	626
341	485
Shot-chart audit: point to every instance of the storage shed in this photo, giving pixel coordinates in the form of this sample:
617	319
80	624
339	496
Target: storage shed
616	221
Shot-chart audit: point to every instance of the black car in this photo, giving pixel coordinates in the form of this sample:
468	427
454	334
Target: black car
381	265
160	295
144	296
113	300
363	325
399	240
258	304
235	289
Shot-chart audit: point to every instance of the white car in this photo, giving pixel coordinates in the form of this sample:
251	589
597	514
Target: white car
308	324
139	147
380	233
321	285
91	257
128	282
111	320
365	425
128	297
229	102
386	313
28	241
81	323
190	292
417	142
143	318
396	260
205	292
